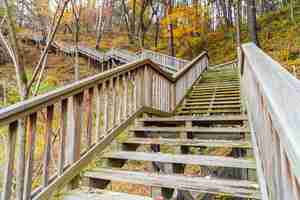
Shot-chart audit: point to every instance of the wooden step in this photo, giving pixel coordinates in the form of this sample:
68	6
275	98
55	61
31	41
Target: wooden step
216	89
220	87
191	130
214	161
219	83
217	99
199	112
178	119
97	194
192	96
212	107
190	142
197	93
238	188
213	103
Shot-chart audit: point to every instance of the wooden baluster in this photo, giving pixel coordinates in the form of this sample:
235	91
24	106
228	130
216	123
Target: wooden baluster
30	159
74	139
120	102
158	93
106	107
10	159
47	152
141	87
134	99
114	101
89	113
126	103
21	160
63	134
137	90
148	87
155	90
76	129
99	111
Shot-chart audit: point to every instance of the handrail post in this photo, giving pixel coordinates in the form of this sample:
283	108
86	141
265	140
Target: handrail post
74	139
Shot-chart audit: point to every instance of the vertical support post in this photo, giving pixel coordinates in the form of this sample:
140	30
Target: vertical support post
47	152
29	164
106	108
10	159
74	145
126	102
99	110
113	86
63	134
89	113
148	86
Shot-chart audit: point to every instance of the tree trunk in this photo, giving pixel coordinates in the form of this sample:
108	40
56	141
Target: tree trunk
170	29
157	29
252	25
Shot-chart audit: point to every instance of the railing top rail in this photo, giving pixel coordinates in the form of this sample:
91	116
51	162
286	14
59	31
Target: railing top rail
165	55
24	108
15	111
282	93
181	72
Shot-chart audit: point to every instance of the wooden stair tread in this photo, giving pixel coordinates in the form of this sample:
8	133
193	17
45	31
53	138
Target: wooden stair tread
191	118
193	130
199	107
186	112
215	161
190	142
96	194
213	103
238	188
216	99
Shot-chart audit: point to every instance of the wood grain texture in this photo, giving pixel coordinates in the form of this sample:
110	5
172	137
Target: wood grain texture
237	188
202	160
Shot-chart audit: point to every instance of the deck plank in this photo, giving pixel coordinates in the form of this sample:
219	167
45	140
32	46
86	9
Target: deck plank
238	188
190	142
203	160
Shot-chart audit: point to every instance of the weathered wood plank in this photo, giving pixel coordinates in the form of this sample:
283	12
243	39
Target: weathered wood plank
193	130
63	134
96	194
237	188
196	119
29	164
223	111
217	161
89	114
10	160
47	151
190	142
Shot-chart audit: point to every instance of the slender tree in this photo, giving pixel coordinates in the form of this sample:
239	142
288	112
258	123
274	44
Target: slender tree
252	25
170	28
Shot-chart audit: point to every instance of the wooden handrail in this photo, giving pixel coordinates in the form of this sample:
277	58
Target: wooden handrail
106	100
73	170
273	102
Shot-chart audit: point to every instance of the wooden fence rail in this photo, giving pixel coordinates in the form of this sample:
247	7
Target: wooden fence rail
171	63
273	100
85	116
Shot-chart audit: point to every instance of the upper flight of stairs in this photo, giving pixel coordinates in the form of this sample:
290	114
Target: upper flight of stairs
216	92
204	150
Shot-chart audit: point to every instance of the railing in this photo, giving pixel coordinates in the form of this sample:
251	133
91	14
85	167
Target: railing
171	63
85	117
127	56
273	101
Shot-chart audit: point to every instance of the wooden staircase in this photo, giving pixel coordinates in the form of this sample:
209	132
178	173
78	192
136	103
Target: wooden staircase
202	152
216	92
